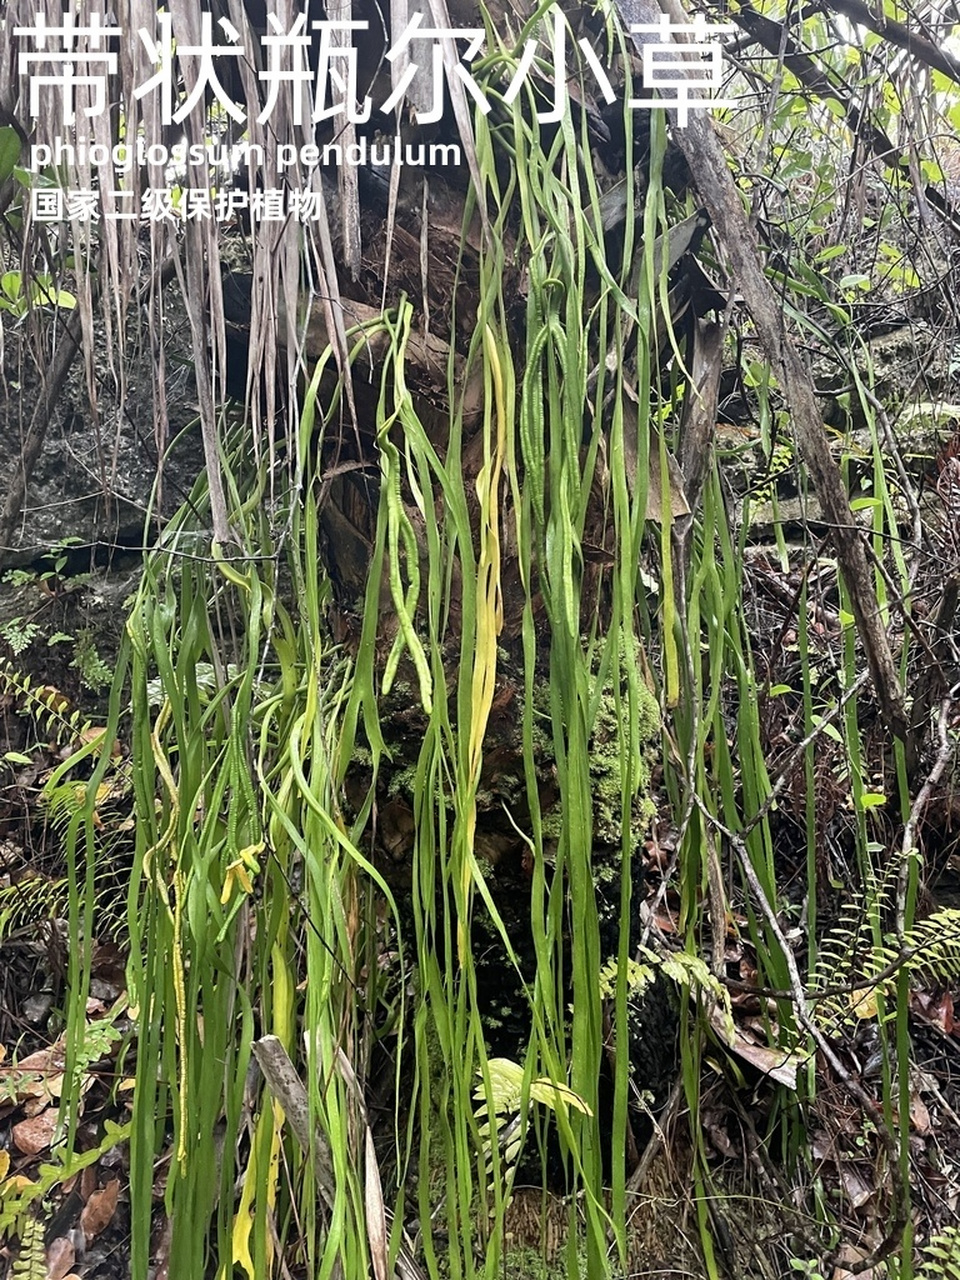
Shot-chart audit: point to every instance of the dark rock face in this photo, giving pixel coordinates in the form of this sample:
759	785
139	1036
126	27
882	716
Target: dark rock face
94	479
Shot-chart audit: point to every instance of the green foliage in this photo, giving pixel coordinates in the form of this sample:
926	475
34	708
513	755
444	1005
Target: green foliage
31	1261
639	978
866	966
57	558
933	947
22	631
19	633
17	1196
256	905
941	1257
19	294
806	1268
45	705
94	672
852	954
24	904
9	151
503	1099
689	972
239	781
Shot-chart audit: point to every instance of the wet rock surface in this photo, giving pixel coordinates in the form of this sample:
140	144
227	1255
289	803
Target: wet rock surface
95	479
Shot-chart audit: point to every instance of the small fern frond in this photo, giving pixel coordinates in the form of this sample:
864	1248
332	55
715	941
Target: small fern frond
503	1128
506	1088
935	947
852	956
31	1263
44	704
941	1257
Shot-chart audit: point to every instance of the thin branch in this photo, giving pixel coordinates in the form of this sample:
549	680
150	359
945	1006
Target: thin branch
896	33
909	845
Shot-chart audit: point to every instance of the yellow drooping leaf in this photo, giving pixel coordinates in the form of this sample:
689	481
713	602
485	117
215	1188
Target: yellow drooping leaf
506	1086
17	1183
863	1002
235	872
556	1096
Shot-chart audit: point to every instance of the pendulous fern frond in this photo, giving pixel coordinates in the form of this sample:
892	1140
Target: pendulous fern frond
45	705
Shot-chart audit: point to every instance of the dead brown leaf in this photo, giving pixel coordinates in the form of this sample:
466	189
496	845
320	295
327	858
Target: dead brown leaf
935	1008
848	1254
48	1064
35	1134
99	1209
780	1064
34	1105
89	1181
858	1190
919	1115
91	734
61	1256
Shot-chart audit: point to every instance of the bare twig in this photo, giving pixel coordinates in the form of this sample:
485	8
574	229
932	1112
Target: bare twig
908	847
